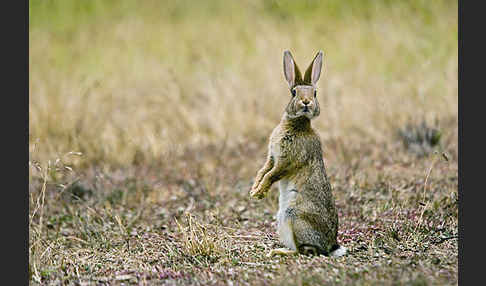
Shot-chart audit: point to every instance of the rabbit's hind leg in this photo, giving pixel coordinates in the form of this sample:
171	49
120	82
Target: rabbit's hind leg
310	250
307	239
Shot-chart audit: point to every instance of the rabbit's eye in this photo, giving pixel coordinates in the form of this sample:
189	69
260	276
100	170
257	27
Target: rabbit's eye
315	93
293	92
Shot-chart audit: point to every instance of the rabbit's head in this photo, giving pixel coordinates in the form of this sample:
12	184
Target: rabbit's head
304	91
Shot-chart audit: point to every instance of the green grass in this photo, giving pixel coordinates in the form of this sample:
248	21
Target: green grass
166	108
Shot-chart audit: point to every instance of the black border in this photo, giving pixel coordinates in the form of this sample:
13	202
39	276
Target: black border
15	141
471	87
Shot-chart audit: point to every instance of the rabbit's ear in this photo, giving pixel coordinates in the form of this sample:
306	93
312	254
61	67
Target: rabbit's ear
313	72
291	71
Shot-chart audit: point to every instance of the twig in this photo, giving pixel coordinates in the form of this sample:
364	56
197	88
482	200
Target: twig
77	239
244	236
425	189
442	239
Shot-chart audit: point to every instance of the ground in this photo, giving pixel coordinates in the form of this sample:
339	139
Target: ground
189	220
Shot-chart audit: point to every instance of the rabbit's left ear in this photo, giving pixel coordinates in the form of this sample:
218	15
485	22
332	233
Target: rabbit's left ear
313	72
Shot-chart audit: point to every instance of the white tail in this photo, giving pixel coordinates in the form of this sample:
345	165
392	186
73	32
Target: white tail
338	252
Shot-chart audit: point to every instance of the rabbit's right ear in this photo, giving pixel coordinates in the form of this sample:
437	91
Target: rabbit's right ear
291	71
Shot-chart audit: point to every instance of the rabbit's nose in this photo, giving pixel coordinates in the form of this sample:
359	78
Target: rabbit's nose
305	102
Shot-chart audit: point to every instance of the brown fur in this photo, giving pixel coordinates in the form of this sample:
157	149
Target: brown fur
295	156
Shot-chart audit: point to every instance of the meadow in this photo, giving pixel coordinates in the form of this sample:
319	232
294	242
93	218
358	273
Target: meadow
149	120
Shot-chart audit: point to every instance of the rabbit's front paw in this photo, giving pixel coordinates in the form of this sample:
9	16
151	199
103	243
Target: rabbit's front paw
257	193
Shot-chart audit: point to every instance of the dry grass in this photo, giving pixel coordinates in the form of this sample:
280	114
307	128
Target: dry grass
148	123
197	240
126	86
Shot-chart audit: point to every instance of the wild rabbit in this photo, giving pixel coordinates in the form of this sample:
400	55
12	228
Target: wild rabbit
307	216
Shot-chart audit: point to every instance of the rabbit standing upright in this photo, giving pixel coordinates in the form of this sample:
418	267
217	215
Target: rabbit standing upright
307	216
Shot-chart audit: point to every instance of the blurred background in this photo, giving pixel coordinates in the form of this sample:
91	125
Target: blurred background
126	82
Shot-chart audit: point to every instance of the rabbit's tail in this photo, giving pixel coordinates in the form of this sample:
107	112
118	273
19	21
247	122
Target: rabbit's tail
337	251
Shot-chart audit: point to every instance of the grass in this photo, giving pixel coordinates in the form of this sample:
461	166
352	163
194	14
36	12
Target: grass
147	125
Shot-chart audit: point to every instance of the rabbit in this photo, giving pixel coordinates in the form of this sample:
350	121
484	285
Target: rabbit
307	216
